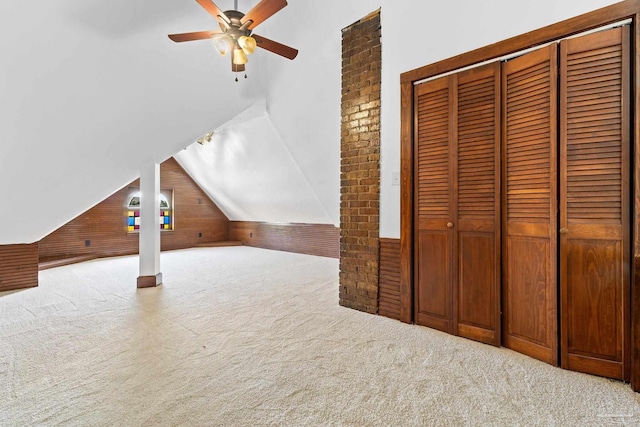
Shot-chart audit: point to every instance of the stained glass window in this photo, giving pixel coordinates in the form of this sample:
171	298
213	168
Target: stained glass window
133	223
133	210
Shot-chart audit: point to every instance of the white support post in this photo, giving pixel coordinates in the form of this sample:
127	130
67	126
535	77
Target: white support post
150	275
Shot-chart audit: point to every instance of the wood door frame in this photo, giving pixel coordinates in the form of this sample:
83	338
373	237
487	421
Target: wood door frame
628	9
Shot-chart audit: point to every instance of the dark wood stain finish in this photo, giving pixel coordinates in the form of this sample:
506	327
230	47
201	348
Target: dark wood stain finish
635	272
101	231
310	239
19	266
406	203
434	207
457	211
477	202
594	202
529	93
614	13
389	284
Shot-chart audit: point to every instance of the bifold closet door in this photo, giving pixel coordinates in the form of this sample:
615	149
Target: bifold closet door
477	226
529	90
458	207
434	209
594	203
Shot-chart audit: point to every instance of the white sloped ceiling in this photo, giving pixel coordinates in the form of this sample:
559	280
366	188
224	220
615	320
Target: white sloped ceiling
248	170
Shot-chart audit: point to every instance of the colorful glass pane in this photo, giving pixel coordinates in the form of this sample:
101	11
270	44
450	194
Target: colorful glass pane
165	220
133	220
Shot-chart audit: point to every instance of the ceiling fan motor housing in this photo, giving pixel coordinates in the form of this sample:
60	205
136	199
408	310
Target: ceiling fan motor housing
234	30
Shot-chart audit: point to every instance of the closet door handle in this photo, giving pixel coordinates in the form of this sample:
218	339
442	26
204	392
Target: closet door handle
449	225
564	230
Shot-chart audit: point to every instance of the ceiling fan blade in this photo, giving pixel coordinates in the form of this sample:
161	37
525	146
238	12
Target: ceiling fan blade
198	35
214	10
262	11
275	47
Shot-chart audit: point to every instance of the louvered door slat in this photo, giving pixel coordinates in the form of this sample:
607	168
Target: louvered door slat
529	225
433	152
594	161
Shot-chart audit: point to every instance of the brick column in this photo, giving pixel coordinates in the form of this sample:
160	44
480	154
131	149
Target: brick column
360	164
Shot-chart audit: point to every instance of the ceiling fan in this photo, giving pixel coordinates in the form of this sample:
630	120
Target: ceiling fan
236	35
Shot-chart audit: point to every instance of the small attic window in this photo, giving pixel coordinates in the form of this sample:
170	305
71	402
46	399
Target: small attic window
134	201
133	210
164	203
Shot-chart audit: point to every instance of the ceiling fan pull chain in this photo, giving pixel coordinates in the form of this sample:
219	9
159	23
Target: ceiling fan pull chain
245	75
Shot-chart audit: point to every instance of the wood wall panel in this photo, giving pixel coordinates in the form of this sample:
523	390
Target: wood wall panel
19	266
389	282
310	239
101	231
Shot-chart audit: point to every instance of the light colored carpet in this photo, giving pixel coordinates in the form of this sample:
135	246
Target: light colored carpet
248	337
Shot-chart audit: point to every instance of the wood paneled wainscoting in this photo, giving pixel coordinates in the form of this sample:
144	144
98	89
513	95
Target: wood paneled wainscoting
389	279
559	139
18	266
102	230
310	239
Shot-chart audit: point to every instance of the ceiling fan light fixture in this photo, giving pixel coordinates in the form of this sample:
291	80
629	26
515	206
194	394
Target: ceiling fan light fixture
248	44
239	57
222	45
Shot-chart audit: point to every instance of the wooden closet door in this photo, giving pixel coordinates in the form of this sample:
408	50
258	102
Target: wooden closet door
594	203
529	122
434	207
477	225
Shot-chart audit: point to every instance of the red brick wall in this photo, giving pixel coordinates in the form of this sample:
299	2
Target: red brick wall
360	164
102	230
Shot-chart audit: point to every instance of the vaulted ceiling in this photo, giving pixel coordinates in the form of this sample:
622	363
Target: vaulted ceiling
92	90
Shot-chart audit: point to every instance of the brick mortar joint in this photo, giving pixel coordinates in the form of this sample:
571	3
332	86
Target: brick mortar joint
360	165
